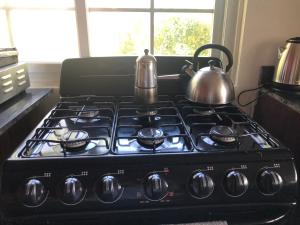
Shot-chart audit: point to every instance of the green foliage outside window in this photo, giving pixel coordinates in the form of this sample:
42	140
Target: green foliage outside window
175	37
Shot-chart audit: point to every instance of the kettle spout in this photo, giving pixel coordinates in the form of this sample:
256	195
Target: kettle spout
280	51
188	69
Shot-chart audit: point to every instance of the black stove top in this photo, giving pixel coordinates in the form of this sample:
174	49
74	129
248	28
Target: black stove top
95	126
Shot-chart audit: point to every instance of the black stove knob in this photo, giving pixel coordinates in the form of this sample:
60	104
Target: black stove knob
201	185
108	189
156	187
73	191
35	193
235	183
269	182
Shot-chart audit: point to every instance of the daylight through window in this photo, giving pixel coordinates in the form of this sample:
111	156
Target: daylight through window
52	30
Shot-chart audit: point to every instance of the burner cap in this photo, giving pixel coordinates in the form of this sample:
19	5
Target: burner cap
223	134
86	116
89	113
204	112
75	139
146	112
151	136
60	131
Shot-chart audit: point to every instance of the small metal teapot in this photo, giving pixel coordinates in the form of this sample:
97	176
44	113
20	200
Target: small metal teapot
210	85
145	89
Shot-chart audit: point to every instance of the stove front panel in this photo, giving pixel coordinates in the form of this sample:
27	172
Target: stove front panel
49	187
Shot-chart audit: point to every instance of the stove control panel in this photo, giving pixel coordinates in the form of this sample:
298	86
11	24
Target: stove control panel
126	187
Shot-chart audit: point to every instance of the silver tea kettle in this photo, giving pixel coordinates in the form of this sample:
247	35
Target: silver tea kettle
210	85
287	74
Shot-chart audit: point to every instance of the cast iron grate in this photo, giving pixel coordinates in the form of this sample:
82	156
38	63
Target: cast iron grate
91	114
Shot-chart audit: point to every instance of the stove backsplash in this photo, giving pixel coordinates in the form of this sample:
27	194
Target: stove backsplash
115	75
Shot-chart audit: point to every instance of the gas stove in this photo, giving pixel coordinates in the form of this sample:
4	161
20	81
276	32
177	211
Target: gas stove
107	157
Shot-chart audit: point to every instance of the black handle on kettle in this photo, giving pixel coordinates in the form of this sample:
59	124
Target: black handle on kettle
213	46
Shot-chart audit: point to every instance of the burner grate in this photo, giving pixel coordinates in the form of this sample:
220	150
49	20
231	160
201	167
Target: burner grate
89	114
130	122
249	136
93	126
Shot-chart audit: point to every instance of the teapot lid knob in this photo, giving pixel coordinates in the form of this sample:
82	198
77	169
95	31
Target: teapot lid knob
146	51
212	64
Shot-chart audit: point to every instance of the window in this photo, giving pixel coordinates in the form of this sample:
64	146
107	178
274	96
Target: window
52	30
167	27
42	30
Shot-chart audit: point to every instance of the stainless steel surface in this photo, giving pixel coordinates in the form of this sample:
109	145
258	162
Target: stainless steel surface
147	112
146	79
169	77
146	96
189	70
13	80
8	56
211	85
288	67
151	136
75	139
224	134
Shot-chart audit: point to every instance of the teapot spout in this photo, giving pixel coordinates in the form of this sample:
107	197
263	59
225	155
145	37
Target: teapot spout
280	51
188	69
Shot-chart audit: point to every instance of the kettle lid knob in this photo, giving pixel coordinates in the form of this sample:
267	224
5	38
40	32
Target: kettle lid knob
147	58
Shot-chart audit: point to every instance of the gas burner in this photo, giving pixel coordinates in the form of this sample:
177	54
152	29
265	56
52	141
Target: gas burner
204	112
60	132
146	112
90	114
74	139
223	134
151	136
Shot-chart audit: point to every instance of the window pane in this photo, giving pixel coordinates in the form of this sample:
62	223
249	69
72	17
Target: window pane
4	37
181	33
118	33
61	4
118	3
45	35
186	4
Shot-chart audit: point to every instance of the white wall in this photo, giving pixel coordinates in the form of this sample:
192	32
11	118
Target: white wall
266	25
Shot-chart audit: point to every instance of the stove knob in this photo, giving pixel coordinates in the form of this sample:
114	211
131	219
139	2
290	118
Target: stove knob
108	189
156	187
236	183
269	182
201	185
35	193
73	191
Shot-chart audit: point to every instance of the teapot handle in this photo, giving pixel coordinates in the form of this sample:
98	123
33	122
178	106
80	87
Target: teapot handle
213	46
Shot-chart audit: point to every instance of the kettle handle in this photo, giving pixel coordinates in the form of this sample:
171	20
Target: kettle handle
213	46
